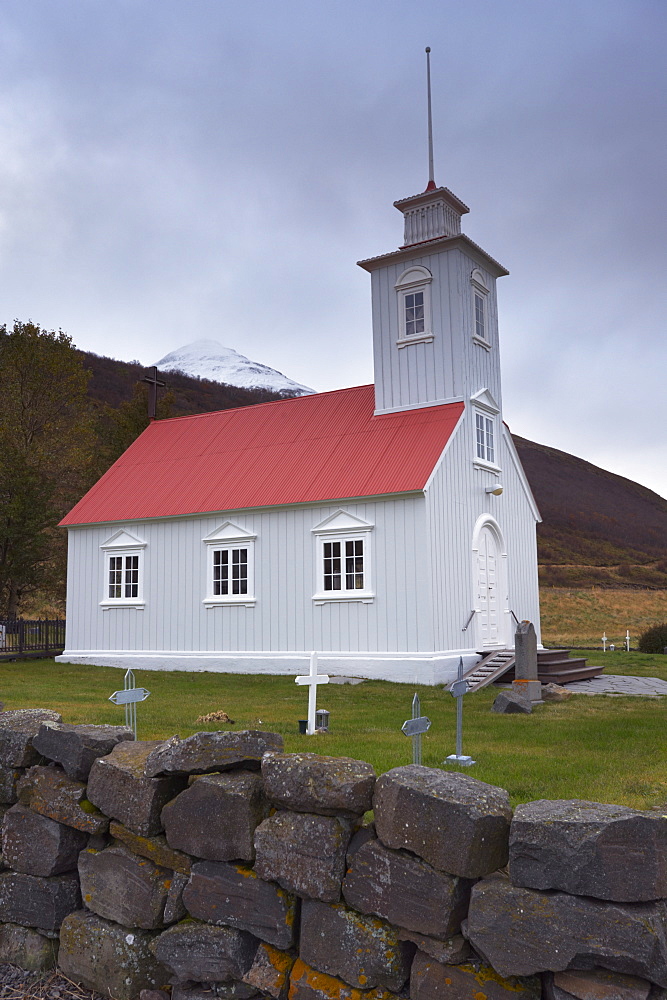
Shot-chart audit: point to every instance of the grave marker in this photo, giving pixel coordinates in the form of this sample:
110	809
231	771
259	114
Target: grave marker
312	680
129	697
458	690
414	727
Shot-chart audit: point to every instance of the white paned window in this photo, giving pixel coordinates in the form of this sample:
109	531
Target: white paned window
486	414
480	301
485	447
342	559
123	571
230	566
414	306
230	572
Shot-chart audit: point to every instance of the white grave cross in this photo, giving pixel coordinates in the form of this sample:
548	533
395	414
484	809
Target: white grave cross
312	679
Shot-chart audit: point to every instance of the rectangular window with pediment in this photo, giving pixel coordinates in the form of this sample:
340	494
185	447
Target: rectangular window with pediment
123	571
230	566
343	548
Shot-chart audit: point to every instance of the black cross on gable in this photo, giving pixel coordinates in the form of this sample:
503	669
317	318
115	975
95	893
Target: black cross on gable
153	383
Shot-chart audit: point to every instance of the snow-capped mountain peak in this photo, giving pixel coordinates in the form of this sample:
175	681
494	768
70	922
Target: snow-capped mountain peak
209	359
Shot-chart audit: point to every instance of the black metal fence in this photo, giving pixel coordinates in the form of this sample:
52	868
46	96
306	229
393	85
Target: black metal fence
20	637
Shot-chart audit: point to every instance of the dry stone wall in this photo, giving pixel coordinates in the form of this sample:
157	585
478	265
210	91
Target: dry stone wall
221	867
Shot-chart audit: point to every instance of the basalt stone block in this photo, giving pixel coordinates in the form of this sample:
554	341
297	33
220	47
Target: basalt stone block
9	776
363	951
77	747
599	984
589	849
512	703
270	972
38	902
430	980
555	692
27	948
113	960
235	896
458	824
121	886
174	908
49	792
205	954
406	891
206	752
522	931
37	845
213	991
305	854
329	786
17	730
118	787
155	848
215	818
307	983
454	951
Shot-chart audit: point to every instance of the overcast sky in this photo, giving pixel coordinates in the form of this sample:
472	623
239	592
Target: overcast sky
179	169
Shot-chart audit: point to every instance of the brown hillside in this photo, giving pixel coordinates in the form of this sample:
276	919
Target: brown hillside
598	528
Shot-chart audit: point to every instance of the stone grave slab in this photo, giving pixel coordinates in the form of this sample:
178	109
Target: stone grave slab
458	824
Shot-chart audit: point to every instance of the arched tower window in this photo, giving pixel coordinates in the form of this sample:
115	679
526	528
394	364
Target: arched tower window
413	289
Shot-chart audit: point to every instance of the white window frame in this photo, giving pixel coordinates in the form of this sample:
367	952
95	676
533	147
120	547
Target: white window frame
484	407
122	546
343	527
229	537
480	292
414	279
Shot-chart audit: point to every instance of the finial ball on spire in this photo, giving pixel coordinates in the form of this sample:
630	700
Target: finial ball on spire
428	48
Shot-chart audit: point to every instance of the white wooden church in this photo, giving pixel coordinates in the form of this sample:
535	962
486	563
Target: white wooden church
389	527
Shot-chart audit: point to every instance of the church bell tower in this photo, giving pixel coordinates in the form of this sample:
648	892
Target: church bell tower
435	320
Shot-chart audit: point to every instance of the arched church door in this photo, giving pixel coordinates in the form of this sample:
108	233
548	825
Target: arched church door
489	611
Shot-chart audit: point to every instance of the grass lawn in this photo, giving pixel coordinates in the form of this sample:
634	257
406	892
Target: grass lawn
599	748
572	617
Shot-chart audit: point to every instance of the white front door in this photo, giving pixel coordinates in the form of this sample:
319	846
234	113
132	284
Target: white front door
488	605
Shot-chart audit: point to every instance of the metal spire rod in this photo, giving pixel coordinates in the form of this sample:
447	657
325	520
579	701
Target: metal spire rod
431	177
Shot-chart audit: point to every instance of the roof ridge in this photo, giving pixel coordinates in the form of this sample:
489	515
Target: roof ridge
254	406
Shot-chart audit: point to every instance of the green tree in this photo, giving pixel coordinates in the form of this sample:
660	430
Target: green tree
46	444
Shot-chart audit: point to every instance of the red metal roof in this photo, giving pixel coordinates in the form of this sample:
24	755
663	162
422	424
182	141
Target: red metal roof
327	446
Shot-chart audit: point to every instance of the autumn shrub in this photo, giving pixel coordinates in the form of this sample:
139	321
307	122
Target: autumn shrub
653	640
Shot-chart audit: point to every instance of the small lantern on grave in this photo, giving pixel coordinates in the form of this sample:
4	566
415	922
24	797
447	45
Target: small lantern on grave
322	719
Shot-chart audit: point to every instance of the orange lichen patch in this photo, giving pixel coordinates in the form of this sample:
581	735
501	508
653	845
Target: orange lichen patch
329	986
480	996
485	974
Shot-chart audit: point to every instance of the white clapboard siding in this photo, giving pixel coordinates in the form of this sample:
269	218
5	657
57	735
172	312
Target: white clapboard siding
284	616
451	366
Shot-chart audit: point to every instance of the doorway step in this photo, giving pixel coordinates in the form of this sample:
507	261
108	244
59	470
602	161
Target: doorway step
556	666
493	666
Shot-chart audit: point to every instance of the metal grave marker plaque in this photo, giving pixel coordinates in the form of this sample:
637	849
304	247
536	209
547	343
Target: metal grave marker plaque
129	697
458	690
414	727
